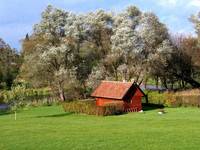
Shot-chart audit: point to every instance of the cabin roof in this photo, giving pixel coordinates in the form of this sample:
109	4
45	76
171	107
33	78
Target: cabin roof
113	89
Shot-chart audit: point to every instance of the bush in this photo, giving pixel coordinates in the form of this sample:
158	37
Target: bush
89	107
156	97
176	99
20	96
180	99
78	106
114	108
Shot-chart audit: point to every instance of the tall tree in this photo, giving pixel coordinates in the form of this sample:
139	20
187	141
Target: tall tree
173	65
9	65
135	39
50	51
196	21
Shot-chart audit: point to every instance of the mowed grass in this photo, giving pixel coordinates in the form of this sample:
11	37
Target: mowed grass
50	128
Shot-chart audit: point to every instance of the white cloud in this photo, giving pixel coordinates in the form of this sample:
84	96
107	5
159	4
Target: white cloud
168	3
194	3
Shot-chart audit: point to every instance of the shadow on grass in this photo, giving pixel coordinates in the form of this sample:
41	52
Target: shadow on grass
4	113
148	107
56	115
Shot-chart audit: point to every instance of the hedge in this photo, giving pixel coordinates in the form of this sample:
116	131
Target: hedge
89	107
188	98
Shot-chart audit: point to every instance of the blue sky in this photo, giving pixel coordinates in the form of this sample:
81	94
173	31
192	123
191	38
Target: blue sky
17	17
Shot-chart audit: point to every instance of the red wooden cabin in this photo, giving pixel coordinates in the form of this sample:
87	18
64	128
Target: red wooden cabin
111	91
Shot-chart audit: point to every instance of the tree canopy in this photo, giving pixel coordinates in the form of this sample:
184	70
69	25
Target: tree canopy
9	65
69	51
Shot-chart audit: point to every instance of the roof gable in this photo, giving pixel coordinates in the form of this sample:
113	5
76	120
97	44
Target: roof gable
112	89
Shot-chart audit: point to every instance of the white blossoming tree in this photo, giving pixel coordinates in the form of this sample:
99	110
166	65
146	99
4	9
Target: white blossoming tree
54	56
153	33
52	25
134	40
126	46
82	49
57	65
196	20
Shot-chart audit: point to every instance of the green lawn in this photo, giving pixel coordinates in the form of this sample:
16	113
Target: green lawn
51	128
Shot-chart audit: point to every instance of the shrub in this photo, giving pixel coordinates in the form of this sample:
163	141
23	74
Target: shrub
21	96
180	99
89	107
176	99
156	97
113	108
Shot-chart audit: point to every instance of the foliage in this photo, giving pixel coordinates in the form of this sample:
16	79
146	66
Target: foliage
89	107
20	96
155	97
196	21
173	66
188	98
86	106
130	52
114	108
9	65
61	58
68	49
189	45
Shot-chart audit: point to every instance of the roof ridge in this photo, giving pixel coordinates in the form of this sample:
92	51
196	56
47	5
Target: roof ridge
113	89
117	81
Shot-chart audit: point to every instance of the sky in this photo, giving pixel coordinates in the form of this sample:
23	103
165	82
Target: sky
17	17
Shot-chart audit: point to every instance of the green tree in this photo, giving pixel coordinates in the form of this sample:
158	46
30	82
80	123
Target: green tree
9	65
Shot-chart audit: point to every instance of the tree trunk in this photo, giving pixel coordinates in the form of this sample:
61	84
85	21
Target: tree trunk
140	82
61	92
171	84
85	88
116	74
62	95
157	82
165	83
145	83
192	82
189	80
147	99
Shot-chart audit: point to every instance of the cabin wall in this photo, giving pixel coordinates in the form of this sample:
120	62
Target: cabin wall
104	101
138	93
135	103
